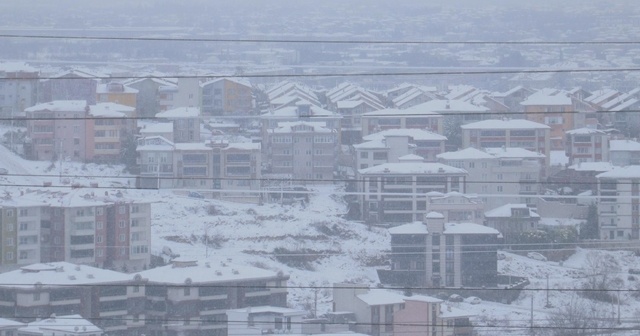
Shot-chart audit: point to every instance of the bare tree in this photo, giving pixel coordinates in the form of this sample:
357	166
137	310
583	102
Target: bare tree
600	269
581	317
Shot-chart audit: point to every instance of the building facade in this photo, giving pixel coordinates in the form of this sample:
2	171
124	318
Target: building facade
436	254
397	192
618	206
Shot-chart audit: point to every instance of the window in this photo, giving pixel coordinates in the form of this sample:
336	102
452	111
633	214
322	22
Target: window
36	296
121	223
121	209
99	239
187	291
364	155
24	226
499	188
99	225
122	238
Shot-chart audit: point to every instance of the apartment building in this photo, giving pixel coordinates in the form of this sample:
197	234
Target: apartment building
512	220
306	151
497	174
389	145
118	93
73	130
75	84
509	133
390	118
112	301
456	207
554	108
79	226
587	145
301	111
20	231
618	207
435	254
227	97
382	312
624	152
396	192
228	170
257	321
18	88
154	94
190	297
186	123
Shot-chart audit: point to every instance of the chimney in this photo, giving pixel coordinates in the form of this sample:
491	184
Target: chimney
434	222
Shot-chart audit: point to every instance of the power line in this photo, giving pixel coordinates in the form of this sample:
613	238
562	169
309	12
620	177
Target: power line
359	74
268	115
310	41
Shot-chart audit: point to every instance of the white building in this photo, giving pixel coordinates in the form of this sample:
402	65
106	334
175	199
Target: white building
456	207
619	214
494	172
624	152
508	133
389	145
257	321
69	325
397	192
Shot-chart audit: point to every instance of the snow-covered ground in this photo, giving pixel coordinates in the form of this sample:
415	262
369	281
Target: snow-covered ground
329	248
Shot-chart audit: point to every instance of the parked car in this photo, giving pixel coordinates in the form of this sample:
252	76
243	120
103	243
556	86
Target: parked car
634	271
536	256
456	298
3	171
194	194
474	300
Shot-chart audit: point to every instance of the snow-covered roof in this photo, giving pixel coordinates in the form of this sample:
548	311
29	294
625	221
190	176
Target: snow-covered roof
621	173
393	112
375	144
416	134
244	145
468	153
16	67
584	131
7	323
468	228
104	88
412	168
411	158
381	297
423	298
514	153
60	106
505	124
624	145
307	126
548	97
411	228
292	112
442	106
205	271
180	112
434	214
110	110
68	324
269	309
60	274
239	81
186	146
505	211
157	128
592	166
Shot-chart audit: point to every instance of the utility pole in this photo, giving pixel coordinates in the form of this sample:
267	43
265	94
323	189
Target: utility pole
532	329
548	305
619	306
